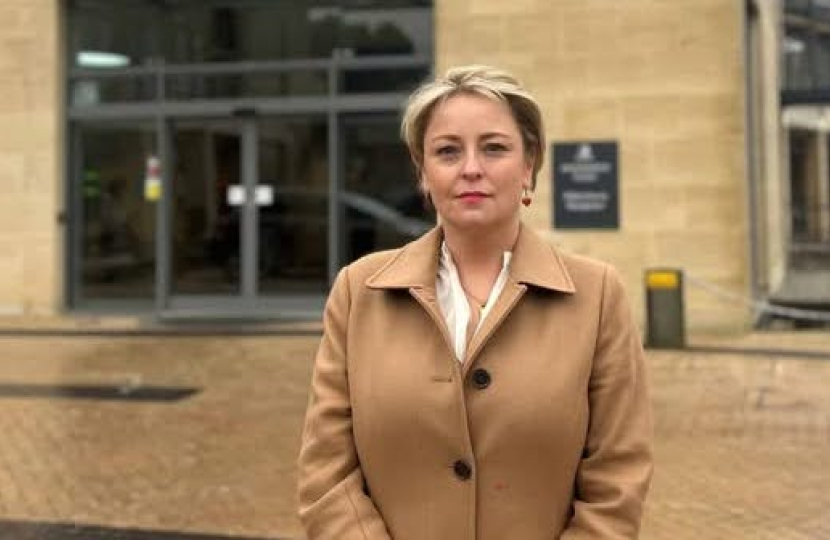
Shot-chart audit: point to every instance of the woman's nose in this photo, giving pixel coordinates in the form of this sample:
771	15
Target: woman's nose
472	166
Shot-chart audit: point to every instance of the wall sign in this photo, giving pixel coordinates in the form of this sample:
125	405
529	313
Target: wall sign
586	185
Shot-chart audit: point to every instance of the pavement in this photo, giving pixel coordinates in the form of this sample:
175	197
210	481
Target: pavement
156	435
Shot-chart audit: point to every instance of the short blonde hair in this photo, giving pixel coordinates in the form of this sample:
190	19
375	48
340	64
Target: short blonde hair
486	81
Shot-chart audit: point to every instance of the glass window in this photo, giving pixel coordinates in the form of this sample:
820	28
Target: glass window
800	156
195	31
796	53
805	47
118	221
820	10
294	224
821	61
381	204
110	39
797	6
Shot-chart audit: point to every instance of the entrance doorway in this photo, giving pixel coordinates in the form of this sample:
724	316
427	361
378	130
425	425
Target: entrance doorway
262	211
227	159
254	216
247	214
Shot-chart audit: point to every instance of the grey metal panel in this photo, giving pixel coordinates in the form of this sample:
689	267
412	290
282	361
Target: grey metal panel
273	66
74	216
164	204
334	244
384	61
217	107
164	142
288	307
250	178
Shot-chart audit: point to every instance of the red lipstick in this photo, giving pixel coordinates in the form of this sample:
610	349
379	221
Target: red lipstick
472	196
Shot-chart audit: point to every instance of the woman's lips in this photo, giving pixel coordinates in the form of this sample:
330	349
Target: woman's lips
472	196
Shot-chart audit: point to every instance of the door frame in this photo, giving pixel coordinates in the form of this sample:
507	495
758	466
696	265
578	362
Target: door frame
167	307
171	304
250	302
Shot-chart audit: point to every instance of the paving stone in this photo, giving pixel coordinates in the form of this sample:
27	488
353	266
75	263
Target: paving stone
742	440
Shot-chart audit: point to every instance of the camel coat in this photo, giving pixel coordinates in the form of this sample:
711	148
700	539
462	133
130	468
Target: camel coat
543	432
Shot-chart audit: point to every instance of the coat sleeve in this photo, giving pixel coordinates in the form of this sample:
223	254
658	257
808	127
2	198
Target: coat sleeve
332	501
615	471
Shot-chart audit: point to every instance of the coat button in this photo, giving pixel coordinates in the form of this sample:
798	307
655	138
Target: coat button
481	378
462	469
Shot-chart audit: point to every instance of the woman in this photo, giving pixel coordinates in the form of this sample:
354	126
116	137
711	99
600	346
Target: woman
476	383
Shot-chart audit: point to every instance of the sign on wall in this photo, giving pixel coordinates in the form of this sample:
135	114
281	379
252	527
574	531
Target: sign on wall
586	185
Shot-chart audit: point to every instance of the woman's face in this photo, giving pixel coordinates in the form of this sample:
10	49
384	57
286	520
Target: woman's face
475	166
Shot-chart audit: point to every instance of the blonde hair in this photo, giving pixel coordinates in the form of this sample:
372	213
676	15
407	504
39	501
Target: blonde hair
485	81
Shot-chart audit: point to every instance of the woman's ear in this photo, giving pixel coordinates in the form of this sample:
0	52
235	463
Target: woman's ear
422	183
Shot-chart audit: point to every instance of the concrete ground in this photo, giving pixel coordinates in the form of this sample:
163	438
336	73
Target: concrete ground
197	435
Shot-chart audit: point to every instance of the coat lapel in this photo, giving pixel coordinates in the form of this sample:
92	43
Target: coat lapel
415	268
535	263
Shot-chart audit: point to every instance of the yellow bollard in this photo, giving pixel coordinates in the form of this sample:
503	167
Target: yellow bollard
665	324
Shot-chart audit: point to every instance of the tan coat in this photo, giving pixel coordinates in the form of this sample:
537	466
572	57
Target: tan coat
544	432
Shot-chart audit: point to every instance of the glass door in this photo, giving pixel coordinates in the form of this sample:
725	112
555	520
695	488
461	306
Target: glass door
259	216
292	210
380	204
114	238
206	197
247	217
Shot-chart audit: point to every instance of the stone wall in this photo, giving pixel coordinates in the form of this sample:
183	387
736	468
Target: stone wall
31	260
664	79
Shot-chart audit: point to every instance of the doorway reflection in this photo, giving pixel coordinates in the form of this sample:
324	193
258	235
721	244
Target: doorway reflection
117	229
293	205
205	255
380	203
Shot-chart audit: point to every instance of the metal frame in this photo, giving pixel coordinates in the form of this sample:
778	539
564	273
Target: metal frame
230	107
335	179
338	62
75	200
250	214
249	304
164	209
184	305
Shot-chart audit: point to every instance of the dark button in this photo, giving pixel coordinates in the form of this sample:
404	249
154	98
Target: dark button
462	469
481	379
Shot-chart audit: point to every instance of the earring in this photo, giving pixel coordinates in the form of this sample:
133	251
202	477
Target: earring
526	199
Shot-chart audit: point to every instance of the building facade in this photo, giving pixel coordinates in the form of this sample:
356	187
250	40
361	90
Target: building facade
188	159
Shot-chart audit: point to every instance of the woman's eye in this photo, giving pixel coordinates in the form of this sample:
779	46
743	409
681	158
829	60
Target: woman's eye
494	148
446	151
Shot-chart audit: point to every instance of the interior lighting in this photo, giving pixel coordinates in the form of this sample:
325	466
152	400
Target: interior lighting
102	59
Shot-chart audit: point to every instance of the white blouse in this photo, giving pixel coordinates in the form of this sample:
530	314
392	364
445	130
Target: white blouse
453	300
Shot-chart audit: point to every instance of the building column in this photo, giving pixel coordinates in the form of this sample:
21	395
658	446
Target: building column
31	150
771	165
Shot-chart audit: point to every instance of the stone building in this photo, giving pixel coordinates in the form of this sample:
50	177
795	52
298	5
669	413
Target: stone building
185	159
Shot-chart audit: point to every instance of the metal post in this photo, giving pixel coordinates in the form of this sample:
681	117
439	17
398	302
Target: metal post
76	215
335	211
666	327
250	174
164	205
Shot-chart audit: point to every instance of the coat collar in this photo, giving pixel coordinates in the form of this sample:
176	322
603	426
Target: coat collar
535	262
